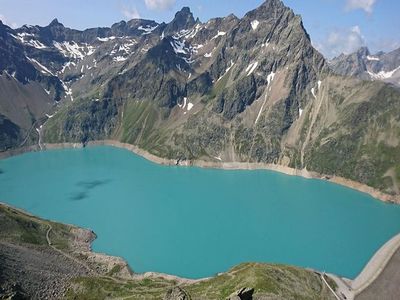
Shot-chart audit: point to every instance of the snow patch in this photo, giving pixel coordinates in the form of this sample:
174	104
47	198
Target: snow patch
147	30
251	68
254	24
44	69
270	78
373	58
227	70
187	106
313	93
179	47
208	54
67	65
35	43
119	58
319	84
73	50
184	103
68	91
383	74
220	33
106	39
300	112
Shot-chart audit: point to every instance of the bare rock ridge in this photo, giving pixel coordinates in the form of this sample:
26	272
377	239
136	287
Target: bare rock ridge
232	90
380	66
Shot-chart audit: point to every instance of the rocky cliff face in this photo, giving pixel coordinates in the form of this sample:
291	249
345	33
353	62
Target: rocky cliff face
380	66
251	89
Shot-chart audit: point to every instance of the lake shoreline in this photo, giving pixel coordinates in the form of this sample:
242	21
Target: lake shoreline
373	269
395	199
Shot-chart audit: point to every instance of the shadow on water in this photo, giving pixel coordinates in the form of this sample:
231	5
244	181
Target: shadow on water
86	186
79	196
1	171
89	185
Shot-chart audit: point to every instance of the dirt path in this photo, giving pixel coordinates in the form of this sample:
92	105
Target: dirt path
66	254
329	287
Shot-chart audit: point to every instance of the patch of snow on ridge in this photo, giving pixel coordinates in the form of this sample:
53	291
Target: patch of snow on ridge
313	93
220	33
106	39
254	24
36	44
68	91
179	47
373	58
44	69
24	34
383	74
29	39
251	68
300	112
227	70
270	78
184	103
319	84
72	49
67	65
208	54
147	30
119	58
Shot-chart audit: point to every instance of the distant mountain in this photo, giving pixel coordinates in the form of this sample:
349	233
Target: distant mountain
380	66
251	90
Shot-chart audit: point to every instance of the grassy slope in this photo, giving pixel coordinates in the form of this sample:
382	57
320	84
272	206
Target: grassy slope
18	227
362	144
275	281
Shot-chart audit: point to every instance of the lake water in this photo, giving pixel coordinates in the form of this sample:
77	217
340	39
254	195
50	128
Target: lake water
194	222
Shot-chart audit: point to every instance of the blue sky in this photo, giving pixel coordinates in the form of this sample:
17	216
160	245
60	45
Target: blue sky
335	26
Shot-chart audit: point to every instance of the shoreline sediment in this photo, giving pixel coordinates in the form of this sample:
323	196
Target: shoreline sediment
215	165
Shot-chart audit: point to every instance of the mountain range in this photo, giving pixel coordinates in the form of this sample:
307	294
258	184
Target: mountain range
249	89
362	64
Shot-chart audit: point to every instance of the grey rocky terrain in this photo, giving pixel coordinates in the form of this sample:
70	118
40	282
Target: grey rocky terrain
380	66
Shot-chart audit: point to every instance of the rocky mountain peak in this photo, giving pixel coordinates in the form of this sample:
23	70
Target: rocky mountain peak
55	23
363	51
183	20
269	8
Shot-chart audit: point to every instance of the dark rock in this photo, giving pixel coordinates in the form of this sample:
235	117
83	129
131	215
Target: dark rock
176	293
242	294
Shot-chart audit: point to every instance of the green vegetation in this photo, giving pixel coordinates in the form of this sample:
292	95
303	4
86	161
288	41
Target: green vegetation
19	227
266	280
363	145
16	226
98	288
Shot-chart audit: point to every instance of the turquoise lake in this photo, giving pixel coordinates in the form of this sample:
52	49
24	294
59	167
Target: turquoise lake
194	222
